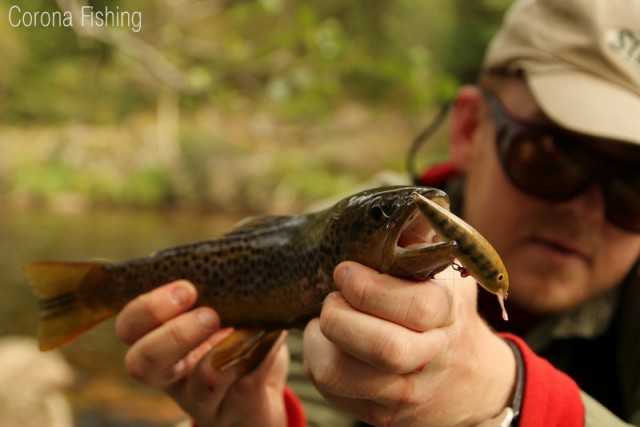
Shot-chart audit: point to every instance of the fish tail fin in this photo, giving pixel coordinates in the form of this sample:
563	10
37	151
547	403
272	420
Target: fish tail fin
62	314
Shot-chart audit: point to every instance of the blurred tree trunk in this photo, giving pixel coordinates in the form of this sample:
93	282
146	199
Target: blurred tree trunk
165	78
168	127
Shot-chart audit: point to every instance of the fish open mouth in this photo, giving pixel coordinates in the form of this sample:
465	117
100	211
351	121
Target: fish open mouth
418	253
415	233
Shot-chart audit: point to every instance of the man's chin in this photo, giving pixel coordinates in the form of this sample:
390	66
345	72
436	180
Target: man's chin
544	306
544	290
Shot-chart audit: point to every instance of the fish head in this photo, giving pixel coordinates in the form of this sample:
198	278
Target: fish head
374	225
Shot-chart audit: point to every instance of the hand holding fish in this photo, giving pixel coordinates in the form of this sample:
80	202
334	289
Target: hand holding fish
400	353
170	345
272	273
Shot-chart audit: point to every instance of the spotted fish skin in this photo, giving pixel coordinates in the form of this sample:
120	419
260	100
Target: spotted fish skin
269	273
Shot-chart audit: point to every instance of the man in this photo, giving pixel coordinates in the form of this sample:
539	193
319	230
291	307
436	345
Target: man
544	164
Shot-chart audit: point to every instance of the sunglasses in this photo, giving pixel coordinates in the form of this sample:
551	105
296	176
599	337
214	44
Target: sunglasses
556	165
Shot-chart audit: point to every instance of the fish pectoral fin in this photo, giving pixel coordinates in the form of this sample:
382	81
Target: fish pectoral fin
244	347
423	263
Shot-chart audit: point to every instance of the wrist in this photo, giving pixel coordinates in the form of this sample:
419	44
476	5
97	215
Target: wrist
286	411
498	378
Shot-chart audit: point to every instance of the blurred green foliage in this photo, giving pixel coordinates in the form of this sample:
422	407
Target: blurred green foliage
257	81
149	187
301	58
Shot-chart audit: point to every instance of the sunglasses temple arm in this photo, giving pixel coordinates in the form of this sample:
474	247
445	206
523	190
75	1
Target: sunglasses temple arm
421	138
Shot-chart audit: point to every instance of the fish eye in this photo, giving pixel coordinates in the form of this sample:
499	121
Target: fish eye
500	277
378	213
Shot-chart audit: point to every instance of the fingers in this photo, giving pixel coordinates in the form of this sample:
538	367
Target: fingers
171	349
152	309
370	412
382	344
228	396
273	370
265	408
336	373
418	306
157	358
197	354
265	385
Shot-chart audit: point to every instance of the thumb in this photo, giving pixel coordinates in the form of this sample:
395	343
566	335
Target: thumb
272	372
257	398
462	289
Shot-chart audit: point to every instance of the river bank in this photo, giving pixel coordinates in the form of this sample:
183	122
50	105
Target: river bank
221	162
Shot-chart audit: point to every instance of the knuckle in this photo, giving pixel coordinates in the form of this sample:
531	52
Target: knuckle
390	353
329	321
139	365
324	376
148	369
408	395
124	330
150	308
440	342
359	291
430	309
178	336
420	312
446	298
322	371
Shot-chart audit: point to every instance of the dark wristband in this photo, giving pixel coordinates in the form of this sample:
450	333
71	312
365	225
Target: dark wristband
516	402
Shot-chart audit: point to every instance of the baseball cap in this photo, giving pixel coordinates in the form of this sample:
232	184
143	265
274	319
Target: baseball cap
581	59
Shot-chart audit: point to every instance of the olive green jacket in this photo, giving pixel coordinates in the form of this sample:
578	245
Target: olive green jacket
598	345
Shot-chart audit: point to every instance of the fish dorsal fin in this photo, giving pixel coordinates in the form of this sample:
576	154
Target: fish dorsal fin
253	222
244	227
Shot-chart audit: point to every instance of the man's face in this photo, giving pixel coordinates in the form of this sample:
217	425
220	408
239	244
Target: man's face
558	254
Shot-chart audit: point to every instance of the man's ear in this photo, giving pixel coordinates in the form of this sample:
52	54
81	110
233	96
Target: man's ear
465	121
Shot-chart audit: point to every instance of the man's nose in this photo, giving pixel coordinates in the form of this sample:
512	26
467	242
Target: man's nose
588	205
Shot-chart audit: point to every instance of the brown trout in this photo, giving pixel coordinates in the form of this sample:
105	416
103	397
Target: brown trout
268	274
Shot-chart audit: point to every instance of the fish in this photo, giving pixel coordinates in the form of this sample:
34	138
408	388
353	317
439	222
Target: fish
268	274
474	251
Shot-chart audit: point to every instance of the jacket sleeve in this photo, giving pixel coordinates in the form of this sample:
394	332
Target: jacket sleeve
295	412
551	398
597	415
579	408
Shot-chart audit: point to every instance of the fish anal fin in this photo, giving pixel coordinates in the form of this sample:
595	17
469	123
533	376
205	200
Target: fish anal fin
243	348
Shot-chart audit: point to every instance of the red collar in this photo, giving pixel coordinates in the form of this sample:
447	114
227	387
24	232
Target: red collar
438	175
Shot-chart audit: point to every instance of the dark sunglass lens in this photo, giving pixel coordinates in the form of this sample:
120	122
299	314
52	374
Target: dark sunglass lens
540	167
622	197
